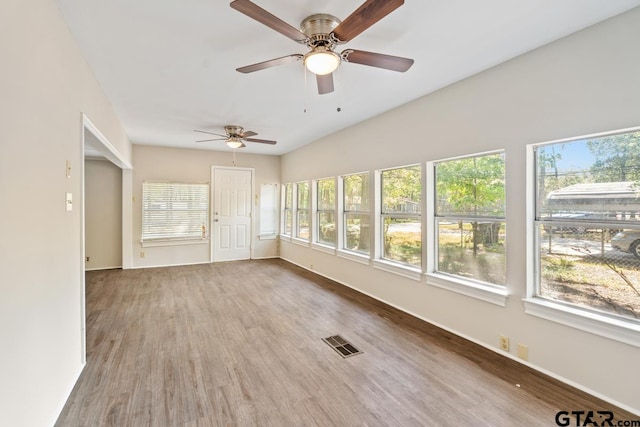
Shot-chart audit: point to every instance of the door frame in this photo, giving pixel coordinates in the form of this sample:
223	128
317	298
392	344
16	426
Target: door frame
212	208
101	144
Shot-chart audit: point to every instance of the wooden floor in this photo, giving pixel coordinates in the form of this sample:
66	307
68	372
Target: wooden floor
240	344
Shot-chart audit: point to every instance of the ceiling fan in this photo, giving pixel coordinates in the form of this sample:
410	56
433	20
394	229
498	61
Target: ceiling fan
235	137
321	33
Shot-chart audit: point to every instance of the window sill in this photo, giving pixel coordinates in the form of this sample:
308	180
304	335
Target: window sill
285	237
493	294
605	326
323	248
177	242
399	269
354	256
300	242
270	236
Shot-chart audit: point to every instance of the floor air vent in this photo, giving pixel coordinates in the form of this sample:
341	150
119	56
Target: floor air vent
342	346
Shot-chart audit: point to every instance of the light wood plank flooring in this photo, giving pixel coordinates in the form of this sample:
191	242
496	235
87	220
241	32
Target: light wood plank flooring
240	344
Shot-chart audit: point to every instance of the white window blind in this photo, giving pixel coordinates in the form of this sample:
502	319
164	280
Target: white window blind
174	211
268	209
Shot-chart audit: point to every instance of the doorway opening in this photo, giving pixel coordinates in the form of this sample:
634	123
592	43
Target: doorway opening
96	147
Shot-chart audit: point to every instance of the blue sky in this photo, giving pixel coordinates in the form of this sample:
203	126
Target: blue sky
575	155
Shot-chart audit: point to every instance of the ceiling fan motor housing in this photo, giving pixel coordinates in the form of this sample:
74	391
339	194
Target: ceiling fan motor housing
233	131
318	29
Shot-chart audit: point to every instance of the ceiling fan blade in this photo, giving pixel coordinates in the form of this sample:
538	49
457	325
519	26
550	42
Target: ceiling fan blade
254	11
248	134
370	12
210	133
388	62
270	63
262	141
325	83
216	139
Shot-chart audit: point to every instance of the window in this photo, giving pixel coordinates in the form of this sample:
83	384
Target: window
287	212
326	211
356	218
401	215
469	218
587	224
174	211
268	210
302	210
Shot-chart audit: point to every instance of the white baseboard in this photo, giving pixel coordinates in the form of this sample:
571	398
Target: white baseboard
103	268
136	267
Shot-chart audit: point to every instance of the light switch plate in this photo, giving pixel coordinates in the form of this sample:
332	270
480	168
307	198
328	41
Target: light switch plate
69	202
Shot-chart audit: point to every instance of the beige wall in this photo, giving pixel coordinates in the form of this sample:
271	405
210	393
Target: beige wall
45	85
585	83
186	165
588	82
103	215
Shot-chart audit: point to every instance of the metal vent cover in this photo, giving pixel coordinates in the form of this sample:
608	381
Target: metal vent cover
343	347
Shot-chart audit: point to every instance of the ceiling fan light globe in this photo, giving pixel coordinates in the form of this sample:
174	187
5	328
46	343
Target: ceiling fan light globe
234	143
322	61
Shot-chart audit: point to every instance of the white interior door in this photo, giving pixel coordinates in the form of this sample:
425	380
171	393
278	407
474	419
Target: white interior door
232	209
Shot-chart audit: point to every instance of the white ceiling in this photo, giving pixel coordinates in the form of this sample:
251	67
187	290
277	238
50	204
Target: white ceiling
168	66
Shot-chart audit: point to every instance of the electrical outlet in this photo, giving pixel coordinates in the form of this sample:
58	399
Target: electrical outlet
141	254
504	343
523	352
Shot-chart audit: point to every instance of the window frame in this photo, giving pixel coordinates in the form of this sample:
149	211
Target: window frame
343	251
199	234
286	208
379	261
582	318
484	291
318	211
297	211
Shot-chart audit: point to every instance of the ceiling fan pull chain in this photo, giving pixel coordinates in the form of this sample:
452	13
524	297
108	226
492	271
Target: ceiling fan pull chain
305	90
338	75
